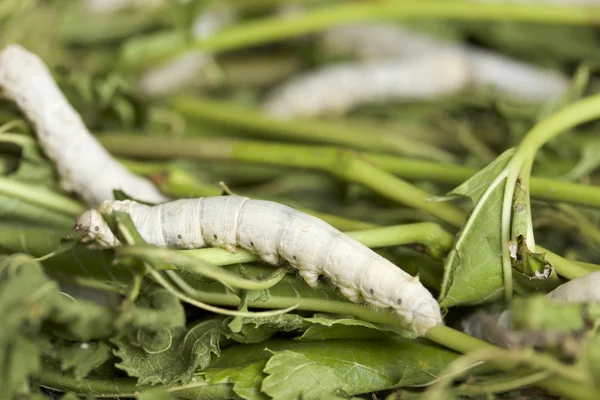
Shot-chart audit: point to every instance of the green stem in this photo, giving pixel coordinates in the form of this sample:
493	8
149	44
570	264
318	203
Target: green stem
261	31
340	163
40	196
311	157
567	268
466	344
521	164
432	235
503	386
185	262
314	131
209	307
116	387
227	298
352	169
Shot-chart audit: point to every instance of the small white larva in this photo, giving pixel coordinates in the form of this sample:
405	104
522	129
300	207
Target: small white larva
340	87
486	68
275	233
403	65
84	166
579	290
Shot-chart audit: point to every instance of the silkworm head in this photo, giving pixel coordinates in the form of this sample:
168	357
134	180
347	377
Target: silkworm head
96	230
416	305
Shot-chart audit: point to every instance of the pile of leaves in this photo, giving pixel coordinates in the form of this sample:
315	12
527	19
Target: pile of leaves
495	201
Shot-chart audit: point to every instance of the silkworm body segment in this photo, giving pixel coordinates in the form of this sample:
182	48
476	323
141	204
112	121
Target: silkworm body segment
276	233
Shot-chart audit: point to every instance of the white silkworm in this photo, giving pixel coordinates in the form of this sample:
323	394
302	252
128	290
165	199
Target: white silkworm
176	74
275	232
84	166
407	63
338	88
579	290
487	68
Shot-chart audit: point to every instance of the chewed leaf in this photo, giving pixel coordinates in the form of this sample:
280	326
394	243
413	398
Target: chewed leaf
531	271
473	269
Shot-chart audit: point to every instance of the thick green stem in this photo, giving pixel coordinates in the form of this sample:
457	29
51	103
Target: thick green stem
432	235
184	262
299	156
315	131
40	196
140	52
387	185
521	164
567	268
341	163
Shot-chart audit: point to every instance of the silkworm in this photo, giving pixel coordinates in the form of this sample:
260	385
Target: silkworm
408	64
487	68
276	233
338	88
578	290
176	74
491	327
84	166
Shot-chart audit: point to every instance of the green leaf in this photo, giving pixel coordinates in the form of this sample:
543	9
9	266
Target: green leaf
345	328
69	396
362	366
317	327
77	319
156	309
293	375
26	296
189	350
473	269
246	379
80	357
156	394
13	208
